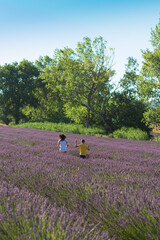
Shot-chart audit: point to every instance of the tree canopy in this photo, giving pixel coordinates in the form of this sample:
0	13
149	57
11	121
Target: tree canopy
17	85
81	78
149	80
76	86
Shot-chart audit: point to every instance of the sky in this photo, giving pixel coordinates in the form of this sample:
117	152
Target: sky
33	28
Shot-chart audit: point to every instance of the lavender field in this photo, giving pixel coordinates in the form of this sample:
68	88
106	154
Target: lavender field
112	194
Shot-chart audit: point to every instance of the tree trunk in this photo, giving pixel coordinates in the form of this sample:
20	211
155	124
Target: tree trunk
88	118
107	125
17	113
88	112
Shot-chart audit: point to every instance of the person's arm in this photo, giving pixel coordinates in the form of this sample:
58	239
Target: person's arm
88	147
67	143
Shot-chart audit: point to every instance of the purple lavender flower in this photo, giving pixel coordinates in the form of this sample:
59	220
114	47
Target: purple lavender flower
112	194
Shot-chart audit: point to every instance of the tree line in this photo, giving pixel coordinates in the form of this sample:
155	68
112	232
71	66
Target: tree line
76	86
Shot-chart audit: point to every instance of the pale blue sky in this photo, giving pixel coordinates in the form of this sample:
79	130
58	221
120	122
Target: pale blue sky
33	28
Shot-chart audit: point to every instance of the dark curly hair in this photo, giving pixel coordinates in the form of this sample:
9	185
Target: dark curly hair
62	137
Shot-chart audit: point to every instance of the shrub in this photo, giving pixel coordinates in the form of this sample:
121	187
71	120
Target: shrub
156	137
131	133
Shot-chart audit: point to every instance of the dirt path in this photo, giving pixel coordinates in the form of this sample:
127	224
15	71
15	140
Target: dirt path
3	125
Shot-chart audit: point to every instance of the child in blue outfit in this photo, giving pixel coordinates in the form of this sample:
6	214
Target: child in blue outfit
62	143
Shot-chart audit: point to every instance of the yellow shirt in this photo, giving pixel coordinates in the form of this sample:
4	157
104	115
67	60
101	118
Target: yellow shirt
83	149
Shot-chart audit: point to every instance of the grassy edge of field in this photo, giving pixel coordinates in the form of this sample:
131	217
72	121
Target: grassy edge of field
124	132
63	127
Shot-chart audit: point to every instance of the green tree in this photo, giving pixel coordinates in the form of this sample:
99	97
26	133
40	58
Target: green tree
126	111
82	79
152	116
50	94
149	81
125	107
95	78
129	82
17	85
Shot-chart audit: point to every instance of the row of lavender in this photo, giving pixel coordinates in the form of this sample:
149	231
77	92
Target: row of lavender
112	194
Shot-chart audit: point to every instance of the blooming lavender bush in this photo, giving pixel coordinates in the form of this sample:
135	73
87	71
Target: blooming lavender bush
112	194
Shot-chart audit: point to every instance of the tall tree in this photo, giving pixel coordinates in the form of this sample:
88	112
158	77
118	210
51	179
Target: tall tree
129	82
96	75
125	106
50	95
82	78
17	85
149	81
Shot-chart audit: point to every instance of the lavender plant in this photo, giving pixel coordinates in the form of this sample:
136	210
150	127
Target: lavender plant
44	194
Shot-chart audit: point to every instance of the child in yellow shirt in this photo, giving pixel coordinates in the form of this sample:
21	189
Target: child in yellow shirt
83	148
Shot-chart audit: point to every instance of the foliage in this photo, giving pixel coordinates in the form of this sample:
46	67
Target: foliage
128	83
125	111
17	85
131	133
76	114
50	101
152	116
76	86
63	127
156	137
125	106
81	79
22	228
149	79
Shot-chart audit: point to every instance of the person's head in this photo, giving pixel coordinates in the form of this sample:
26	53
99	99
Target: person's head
62	137
83	141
